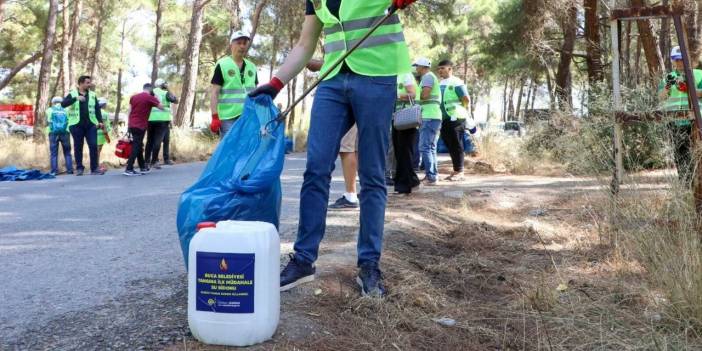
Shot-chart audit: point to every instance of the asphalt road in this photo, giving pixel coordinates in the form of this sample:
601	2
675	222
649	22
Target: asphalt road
79	246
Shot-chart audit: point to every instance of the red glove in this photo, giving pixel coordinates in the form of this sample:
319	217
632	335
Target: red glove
271	88
216	123
401	4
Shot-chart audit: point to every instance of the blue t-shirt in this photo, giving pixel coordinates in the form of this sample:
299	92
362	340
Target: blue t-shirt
459	87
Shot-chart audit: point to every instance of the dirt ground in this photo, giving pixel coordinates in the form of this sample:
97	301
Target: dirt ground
496	262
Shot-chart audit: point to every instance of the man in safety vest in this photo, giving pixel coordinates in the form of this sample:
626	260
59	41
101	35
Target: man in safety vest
430	99
360	90
234	76
84	119
454	111
159	123
673	93
57	125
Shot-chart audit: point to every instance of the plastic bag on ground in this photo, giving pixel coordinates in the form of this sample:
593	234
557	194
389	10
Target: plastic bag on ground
242	178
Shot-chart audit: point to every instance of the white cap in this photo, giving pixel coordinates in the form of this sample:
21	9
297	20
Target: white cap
239	34
160	82
675	53
102	102
56	100
422	61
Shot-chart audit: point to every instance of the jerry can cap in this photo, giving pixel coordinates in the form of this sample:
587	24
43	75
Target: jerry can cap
203	225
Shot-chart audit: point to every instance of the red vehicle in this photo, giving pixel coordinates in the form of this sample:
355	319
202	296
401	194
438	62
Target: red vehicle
20	114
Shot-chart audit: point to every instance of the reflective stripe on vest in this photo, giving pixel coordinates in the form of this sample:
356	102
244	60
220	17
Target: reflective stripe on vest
230	103
157	115
73	111
384	53
431	108
402	89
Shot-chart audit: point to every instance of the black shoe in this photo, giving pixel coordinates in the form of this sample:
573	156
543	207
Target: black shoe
131	173
98	172
370	279
389	181
343	203
296	273
69	172
169	163
79	172
145	170
155	165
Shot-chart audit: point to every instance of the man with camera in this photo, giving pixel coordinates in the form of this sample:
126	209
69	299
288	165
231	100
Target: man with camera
673	92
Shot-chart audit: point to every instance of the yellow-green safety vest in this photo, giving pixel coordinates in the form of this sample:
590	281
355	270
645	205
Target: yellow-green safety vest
402	89
157	115
73	111
431	108
230	103
384	53
678	100
450	99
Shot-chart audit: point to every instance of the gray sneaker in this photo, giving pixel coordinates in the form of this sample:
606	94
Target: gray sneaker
343	204
370	279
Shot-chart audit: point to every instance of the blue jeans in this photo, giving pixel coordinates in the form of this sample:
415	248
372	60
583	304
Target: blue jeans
65	140
226	125
89	133
428	138
341	101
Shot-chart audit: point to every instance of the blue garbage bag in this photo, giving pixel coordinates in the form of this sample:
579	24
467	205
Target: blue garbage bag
12	173
242	178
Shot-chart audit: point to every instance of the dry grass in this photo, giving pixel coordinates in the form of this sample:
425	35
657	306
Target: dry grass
507	155
186	146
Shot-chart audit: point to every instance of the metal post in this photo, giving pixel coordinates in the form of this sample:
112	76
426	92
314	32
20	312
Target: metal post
692	96
617	95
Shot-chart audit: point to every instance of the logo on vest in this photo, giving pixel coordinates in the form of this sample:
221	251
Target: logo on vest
250	74
231	73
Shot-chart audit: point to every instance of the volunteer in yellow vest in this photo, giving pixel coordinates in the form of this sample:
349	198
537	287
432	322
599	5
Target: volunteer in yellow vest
404	141
159	123
361	90
673	94
101	139
57	126
454	112
430	99
84	119
234	76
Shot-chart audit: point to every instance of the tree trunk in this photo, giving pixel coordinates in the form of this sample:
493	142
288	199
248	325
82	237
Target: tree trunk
504	101
65	81
2	3
192	62
256	17
563	87
45	72
98	39
157	41
118	106
235	21
549	86
592	36
519	99
77	9
654	60
626	55
664	39
692	27
20	66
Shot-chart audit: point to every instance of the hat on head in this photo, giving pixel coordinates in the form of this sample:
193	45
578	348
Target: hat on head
239	34
56	100
675	53
422	61
102	102
160	82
